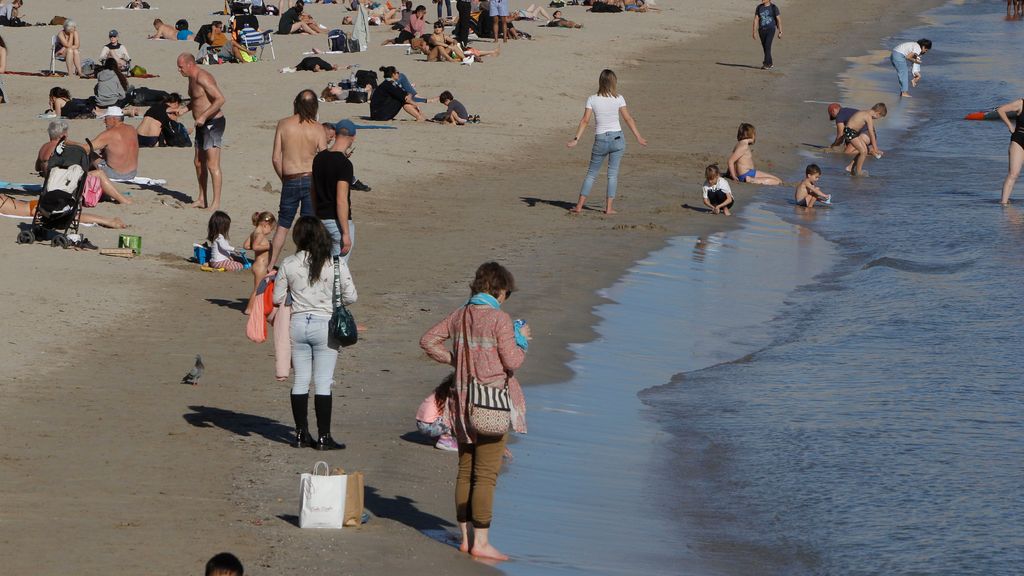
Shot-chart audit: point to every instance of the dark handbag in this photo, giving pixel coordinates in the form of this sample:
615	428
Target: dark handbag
343	325
489	407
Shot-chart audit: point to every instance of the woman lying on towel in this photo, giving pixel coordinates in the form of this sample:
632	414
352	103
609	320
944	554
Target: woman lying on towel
11	206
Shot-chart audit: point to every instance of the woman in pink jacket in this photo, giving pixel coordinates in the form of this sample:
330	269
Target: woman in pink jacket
496	348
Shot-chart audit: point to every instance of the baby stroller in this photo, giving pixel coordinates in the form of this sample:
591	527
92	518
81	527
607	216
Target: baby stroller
60	203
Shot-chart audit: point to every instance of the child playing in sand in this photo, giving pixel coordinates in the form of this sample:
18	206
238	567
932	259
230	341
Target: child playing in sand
259	243
432	417
863	120
741	162
807	191
222	254
717	194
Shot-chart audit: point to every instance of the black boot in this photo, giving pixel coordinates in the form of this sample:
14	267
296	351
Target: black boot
300	410
322	404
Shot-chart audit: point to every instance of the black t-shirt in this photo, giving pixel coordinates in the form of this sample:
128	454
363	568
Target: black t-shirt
309	63
387	100
288	19
329	168
158	112
769	15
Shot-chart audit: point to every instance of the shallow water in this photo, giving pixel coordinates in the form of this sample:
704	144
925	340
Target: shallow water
842	406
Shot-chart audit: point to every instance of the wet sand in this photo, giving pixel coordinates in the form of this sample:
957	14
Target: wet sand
144	474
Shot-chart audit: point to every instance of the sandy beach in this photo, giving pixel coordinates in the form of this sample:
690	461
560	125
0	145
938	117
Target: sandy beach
110	465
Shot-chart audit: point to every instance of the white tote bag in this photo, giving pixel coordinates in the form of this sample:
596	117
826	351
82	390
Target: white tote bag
322	499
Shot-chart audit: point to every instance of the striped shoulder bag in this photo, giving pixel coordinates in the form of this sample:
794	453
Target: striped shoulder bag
490	411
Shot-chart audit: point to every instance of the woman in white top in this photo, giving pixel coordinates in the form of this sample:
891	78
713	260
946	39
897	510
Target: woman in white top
68	46
308	277
903	56
606	106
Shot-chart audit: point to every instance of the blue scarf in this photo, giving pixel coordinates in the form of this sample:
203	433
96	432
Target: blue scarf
485	299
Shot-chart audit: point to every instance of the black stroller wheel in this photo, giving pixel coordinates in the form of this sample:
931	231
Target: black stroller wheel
26	237
60	241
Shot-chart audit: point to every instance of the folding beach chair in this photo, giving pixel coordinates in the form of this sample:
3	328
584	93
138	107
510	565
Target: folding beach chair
54	58
237	7
246	31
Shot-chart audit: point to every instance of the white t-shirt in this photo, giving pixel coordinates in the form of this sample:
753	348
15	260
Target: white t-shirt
220	250
722	186
6	9
606	112
908	48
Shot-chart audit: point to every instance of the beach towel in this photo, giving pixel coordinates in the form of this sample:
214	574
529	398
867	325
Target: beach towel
361	29
262	306
21	187
282	342
141	181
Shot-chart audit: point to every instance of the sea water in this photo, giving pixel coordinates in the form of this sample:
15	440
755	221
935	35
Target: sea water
836	391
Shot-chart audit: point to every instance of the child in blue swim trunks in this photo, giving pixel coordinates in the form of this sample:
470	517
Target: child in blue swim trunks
741	162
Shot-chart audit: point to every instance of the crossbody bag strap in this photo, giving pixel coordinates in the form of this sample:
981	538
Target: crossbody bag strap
465	342
337	283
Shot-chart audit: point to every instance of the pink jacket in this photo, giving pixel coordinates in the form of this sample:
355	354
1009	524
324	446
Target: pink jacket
494	354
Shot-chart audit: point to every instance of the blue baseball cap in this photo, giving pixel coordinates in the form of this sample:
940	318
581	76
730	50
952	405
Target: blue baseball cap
346	125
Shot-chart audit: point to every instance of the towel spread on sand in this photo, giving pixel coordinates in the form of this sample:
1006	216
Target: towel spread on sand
142	181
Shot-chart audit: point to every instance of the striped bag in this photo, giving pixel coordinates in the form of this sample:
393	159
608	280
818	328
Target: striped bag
490	411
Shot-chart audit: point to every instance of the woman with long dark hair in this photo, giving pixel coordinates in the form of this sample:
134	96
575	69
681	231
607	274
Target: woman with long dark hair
487	348
111	85
606	107
389	98
308	277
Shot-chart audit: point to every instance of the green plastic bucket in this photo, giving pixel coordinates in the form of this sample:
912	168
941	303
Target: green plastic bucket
130	241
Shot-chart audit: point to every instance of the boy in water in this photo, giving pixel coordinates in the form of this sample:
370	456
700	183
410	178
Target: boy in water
807	191
863	120
741	162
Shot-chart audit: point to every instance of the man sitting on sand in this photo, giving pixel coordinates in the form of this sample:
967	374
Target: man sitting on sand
163	31
807	191
118	146
863	121
57	130
741	162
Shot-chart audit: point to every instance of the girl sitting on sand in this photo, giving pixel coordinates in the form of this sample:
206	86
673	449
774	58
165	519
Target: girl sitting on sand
741	162
259	243
432	418
222	254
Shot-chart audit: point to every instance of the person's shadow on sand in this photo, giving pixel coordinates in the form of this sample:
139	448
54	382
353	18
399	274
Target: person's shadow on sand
738	65
239	304
532	202
239	423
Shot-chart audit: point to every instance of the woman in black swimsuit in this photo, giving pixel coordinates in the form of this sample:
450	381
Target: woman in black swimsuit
1016	151
157	121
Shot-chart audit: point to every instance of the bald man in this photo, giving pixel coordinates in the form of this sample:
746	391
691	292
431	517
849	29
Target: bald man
207	101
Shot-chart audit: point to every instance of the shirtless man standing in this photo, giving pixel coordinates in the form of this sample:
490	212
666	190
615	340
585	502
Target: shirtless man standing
297	140
863	121
207	101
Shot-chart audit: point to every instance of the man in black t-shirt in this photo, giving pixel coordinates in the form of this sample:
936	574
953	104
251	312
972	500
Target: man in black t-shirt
332	193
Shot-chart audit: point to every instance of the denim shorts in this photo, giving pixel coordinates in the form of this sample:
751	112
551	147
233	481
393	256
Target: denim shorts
293	193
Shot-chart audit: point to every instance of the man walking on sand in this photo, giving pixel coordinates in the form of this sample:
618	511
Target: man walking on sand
207	101
297	140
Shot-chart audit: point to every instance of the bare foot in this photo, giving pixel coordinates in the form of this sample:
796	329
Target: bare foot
126	201
726	212
487	552
118	223
464	546
609	212
213	208
317	51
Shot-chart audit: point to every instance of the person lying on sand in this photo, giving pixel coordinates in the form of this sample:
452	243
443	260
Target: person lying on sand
557	21
58	130
314	64
163	31
863	120
807	191
741	162
532	12
11	206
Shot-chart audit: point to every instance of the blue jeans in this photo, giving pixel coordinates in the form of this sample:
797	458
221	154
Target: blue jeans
404	82
293	193
448	4
899	62
332	229
313	355
612	145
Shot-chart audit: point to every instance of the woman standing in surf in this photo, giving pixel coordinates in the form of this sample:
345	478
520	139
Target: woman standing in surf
606	106
1016	151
